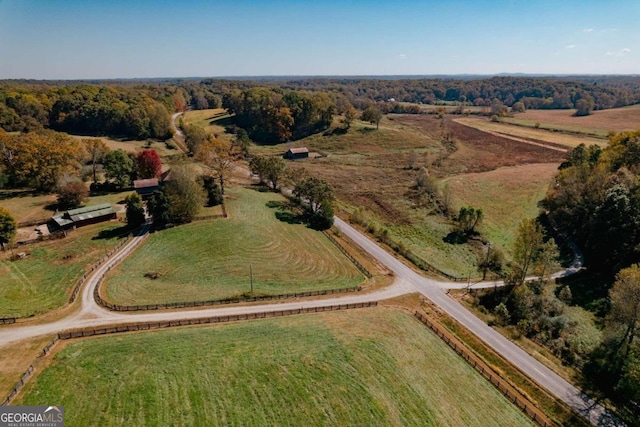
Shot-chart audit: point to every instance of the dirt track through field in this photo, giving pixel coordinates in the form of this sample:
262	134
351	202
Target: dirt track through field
542	144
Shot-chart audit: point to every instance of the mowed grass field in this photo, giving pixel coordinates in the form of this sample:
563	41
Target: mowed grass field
369	367
210	259
43	279
506	196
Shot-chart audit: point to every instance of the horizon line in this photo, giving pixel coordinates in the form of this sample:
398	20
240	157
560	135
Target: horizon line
318	76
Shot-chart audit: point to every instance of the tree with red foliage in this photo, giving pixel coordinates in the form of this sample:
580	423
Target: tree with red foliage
149	164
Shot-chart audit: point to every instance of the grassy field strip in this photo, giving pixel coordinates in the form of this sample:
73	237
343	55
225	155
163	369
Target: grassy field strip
41	281
365	367
599	122
518	190
524	135
594	136
514	395
15	359
210	259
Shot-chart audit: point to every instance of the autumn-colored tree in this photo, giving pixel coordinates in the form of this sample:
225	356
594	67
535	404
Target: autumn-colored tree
349	116
526	247
149	164
216	154
625	306
8	227
96	149
71	193
282	123
38	159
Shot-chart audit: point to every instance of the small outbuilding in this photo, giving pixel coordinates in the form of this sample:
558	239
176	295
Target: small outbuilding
145	187
85	216
297	153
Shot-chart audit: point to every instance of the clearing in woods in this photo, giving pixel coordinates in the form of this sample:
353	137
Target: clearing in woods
376	366
212	120
210	259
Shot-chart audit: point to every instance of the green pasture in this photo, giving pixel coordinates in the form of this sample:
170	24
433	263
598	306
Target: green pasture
506	196
43	279
365	367
213	259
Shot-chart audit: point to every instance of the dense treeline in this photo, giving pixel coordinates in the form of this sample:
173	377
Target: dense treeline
139	113
283	108
535	93
596	199
38	159
271	115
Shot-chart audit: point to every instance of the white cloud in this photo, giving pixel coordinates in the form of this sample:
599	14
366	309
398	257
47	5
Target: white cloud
588	30
402	56
621	52
571	46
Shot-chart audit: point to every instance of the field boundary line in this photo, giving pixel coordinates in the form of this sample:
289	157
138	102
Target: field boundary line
29	372
351	258
146	326
94	267
207	303
517	398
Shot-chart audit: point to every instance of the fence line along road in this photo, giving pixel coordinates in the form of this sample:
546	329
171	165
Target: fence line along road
524	404
591	410
144	326
187	304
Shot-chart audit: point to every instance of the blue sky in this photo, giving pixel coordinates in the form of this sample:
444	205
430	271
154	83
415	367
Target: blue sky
58	39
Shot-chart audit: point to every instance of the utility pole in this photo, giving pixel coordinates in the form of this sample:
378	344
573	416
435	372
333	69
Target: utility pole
251	277
486	261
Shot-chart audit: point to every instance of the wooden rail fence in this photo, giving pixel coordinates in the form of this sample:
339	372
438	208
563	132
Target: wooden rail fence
186	304
144	326
507	390
355	262
80	282
38	221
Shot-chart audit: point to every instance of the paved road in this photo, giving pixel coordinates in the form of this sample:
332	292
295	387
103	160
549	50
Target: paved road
433	290
407	281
